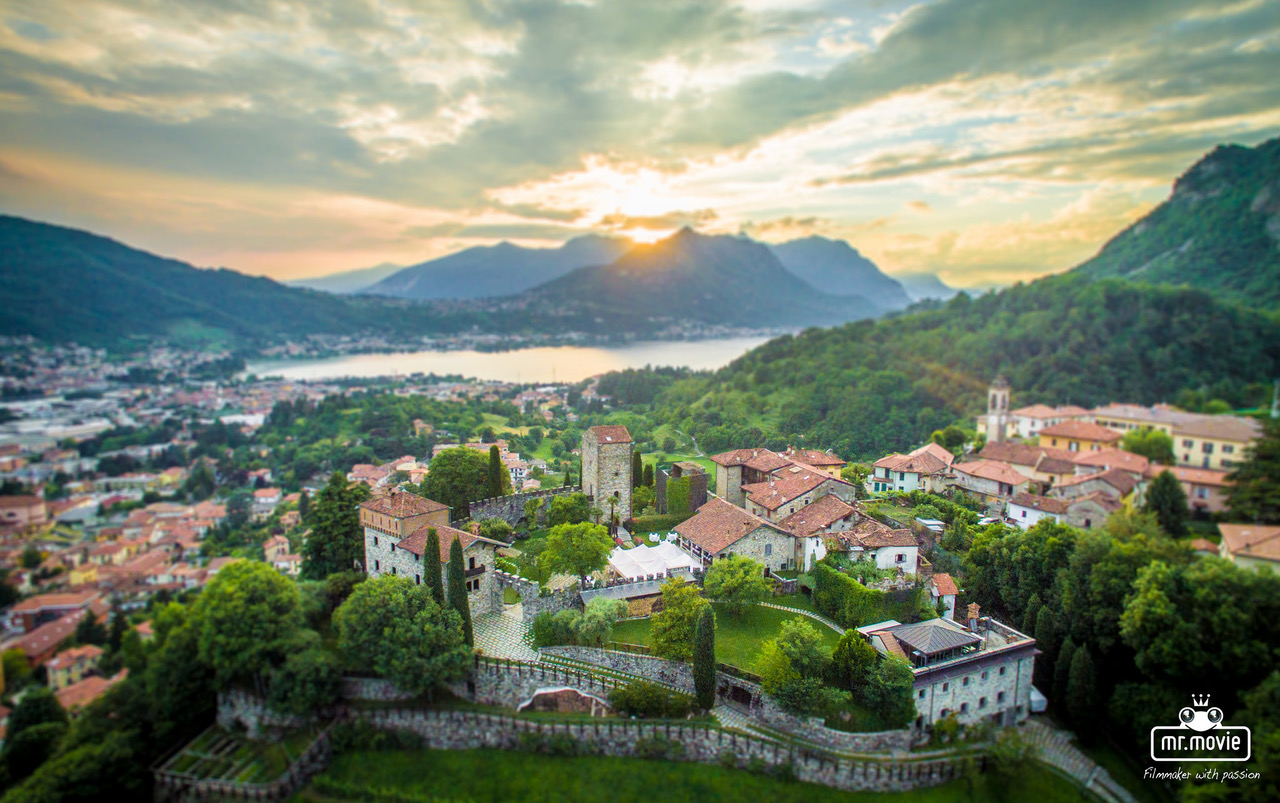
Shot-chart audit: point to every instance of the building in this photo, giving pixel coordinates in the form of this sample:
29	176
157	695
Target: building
42	643
697	476
743	467
1106	459
989	480
791	488
977	673
398	514
1115	482
606	468
274	547
943	589
995	425
1026	422
886	547
75	697
1214	441
1044	465
21	511
33	612
1091	510
925	469
1079	436
823	461
720	529
1128	417
389	553
1206	489
72	666
648	563
811	524
1251	545
1026	510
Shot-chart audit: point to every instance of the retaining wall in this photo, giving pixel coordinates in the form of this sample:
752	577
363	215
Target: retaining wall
511	508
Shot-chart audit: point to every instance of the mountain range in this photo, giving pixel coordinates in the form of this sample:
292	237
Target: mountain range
348	281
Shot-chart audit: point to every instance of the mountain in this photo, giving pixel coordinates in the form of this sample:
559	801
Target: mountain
497	270
836	268
1218	230
925	286
348	281
869	388
64	284
694	277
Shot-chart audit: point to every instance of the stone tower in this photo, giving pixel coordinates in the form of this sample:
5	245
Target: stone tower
998	411
606	468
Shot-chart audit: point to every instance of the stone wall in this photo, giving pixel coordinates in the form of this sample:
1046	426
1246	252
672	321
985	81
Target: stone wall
511	508
659	670
513	683
606	472
533	601
241	709
371	689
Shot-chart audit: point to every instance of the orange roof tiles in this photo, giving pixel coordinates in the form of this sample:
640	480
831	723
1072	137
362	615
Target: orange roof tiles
1082	430
817	516
1252	540
945	585
401	505
718	525
613	433
416	541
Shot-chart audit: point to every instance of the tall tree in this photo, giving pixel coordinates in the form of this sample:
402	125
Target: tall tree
119	626
248	618
457	477
672	629
1062	673
853	662
637	470
394	627
336	542
37	707
1255	493
1166	500
432	567
1046	636
704	659
493	485
648	475
737	581
304	505
1082	694
577	549
458	591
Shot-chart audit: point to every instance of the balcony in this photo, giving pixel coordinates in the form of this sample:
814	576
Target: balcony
469	573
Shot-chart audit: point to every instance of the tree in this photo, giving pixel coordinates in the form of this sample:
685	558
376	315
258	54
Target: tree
774	667
1166	500
704	659
594	626
239	508
395	628
890	693
495	528
458	591
737	581
1046	636
531	510
1010	760
678	496
37	707
1255	491
648	475
336	543
248	618
1062	673
432	568
577	549
637	470
802	645
1082	694
1152	444
31	557
1029	616
304	505
642	499
119	626
457	477
16	667
308	680
853	662
24	753
569	509
493	485
90	631
672	629
201	482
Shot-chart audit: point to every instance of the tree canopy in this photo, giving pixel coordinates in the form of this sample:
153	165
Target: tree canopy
737	581
457	477
248	619
577	549
673	628
337	539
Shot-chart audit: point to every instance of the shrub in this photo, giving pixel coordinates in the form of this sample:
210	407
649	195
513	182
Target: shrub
727	759
649	700
659	748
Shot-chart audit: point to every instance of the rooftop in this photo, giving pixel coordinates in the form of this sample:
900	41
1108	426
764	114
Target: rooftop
991	470
1082	430
718	525
817	516
1251	540
1042	503
611	434
401	505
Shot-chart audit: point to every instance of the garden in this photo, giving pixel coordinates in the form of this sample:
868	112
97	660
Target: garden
219	754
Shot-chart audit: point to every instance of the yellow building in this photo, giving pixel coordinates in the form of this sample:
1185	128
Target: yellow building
1079	436
72	666
1217	442
1250	545
84	574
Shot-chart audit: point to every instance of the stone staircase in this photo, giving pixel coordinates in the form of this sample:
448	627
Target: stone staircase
1057	750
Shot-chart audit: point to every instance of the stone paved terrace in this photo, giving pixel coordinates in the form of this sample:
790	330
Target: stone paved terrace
504	634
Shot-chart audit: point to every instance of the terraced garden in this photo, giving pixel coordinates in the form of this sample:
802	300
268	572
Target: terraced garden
218	754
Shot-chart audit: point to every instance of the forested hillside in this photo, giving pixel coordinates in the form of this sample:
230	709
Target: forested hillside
871	387
1220	230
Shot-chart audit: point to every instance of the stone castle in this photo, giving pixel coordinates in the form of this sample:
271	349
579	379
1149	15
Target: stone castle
606	468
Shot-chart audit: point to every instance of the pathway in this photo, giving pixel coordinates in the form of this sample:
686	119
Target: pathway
815	616
505	635
1057	751
731	717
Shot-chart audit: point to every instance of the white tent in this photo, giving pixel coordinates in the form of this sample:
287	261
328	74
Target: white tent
647	561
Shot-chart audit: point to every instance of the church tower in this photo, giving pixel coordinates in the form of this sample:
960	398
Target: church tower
998	411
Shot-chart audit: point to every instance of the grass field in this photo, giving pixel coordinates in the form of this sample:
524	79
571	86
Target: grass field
738	638
492	775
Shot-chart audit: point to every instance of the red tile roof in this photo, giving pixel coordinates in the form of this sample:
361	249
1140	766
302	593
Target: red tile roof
1041	503
611	434
69	656
718	525
1251	540
813	457
77	599
991	470
1191	476
1122	481
416	541
1113	458
1082	430
401	505
945	585
785	486
923	463
78	695
817	516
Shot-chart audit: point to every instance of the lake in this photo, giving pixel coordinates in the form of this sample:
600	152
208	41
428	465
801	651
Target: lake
546	364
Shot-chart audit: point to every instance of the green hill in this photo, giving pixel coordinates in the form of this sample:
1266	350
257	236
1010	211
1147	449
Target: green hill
871	387
1219	230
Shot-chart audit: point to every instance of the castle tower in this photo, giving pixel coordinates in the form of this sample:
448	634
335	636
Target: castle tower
998	411
606	468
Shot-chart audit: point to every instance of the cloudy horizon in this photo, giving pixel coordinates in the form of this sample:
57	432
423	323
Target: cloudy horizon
987	141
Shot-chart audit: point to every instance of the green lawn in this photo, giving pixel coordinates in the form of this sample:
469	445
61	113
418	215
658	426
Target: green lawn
738	638
494	775
797	600
1127	774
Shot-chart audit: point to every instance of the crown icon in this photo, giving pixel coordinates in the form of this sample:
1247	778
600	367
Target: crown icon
1200	700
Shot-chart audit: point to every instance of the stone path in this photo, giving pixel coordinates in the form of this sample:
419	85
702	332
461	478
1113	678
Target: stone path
815	616
505	635
1057	751
731	717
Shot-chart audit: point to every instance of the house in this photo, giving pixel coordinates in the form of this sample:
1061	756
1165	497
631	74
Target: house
1027	422
21	511
1206	489
72	665
1044	465
1115	482
942	588
1214	441
979	673
742	467
925	469
1251	545
33	612
41	644
823	461
888	548
386	552
399	513
1091	510
289	564
1128	417
719	529
274	547
1107	459
811	523
790	488
1079	436
989	480
1026	510
75	697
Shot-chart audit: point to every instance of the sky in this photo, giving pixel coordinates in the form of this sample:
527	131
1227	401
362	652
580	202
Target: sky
987	141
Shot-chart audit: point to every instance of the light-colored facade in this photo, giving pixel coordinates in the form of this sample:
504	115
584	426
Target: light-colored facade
606	468
1214	442
720	529
72	666
1028	510
1251	546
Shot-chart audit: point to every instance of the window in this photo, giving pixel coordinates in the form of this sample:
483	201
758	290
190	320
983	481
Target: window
900	559
768	549
982	702
1202	493
964	708
984	674
946	686
472	564
921	694
1024	514
1187	444
943	713
1228	448
417	579
377	566
1088	523
1002	669
902	475
1000	697
1055	441
965	682
1206	447
375	540
393	570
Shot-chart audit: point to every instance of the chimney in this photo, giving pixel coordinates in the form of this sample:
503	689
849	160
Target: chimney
973	617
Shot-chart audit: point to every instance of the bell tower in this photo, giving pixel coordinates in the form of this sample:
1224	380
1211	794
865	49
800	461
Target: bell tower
998	411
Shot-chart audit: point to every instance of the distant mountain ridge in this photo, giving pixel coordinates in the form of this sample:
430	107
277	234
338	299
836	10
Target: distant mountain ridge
496	270
925	286
836	268
1219	230
348	281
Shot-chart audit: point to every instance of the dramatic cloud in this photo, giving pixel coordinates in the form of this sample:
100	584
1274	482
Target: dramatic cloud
990	140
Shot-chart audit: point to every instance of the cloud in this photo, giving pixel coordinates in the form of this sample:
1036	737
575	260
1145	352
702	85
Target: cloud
670	220
919	206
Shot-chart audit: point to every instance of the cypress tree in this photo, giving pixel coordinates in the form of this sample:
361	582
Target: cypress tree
458	591
579	475
1167	500
304	505
704	659
1062	673
1082	694
119	626
493	487
1029	618
648	476
432	567
637	470
1047	640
